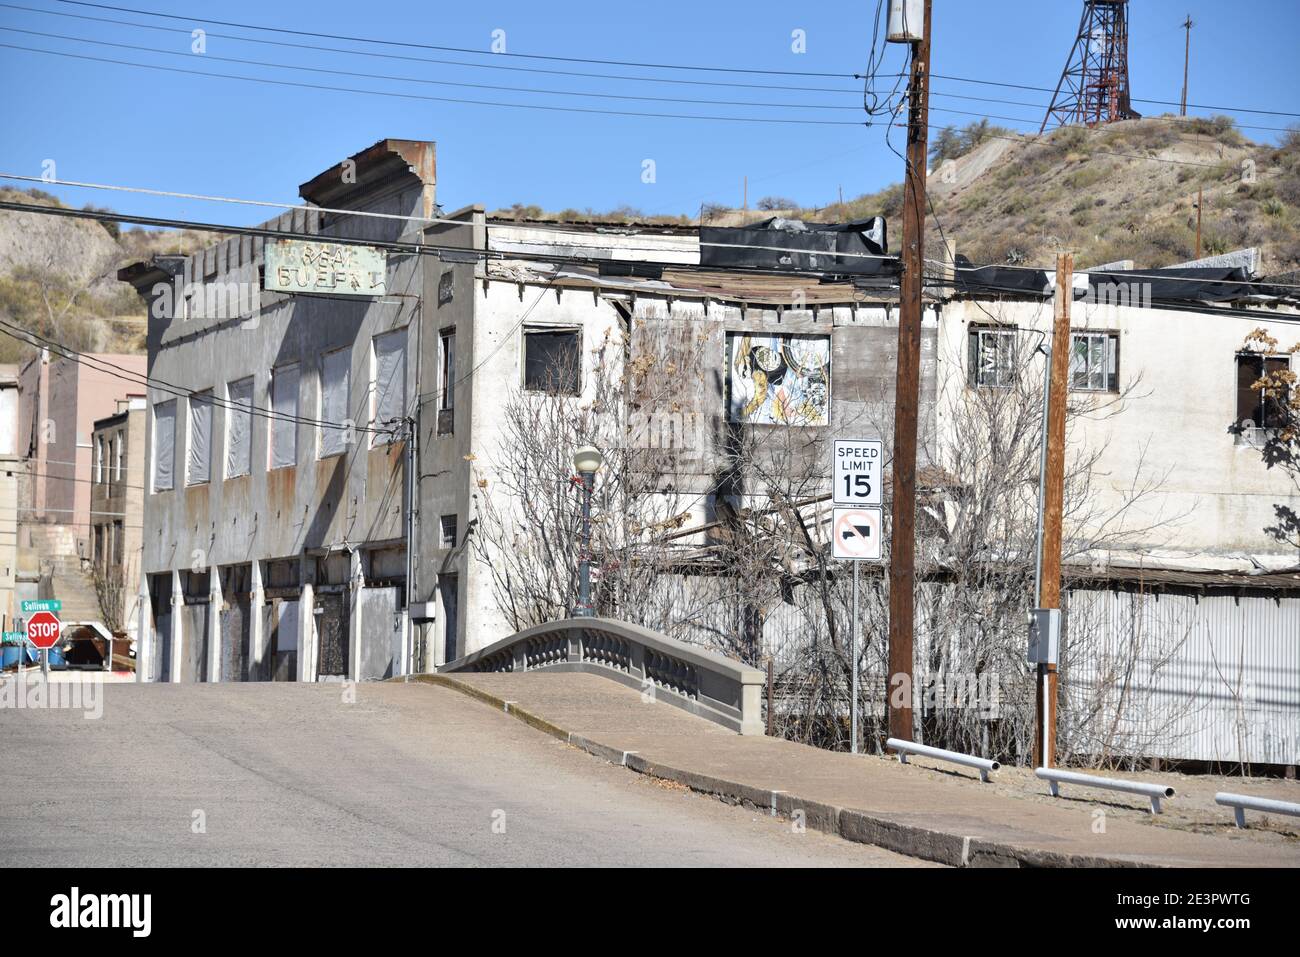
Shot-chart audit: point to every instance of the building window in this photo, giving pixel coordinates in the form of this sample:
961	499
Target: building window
99	546
119	543
552	362
1094	362
198	463
388	386
992	358
284	408
239	427
120	463
164	445
1252	408
449	531
447	372
335	372
99	459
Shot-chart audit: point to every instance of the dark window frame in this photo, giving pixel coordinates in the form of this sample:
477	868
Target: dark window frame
976	336
548	337
1251	406
1110	361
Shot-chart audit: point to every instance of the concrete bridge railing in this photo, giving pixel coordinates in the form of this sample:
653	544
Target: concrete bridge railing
701	682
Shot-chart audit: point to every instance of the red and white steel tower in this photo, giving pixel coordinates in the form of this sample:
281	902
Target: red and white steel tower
1094	86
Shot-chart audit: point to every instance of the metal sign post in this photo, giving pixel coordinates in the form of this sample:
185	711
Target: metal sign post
857	530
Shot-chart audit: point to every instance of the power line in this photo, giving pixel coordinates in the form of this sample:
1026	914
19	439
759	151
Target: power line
414	79
411	247
208	398
604	62
419	59
451	49
435	99
460	253
1135	99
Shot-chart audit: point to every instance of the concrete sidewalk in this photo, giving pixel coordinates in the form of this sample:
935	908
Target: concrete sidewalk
931	814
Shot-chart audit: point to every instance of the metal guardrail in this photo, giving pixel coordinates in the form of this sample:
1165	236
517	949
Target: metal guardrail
984	765
705	684
1056	777
1240	803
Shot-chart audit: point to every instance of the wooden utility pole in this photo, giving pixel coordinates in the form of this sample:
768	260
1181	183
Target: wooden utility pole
1187	56
1049	588
1200	202
902	542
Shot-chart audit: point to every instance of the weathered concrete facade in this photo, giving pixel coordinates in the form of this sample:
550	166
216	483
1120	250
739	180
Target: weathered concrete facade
254	571
59	400
1170	419
117	506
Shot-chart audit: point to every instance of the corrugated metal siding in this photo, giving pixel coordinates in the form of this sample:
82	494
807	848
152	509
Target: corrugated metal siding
1208	678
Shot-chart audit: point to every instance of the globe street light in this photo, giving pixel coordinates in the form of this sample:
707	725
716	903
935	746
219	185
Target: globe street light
586	460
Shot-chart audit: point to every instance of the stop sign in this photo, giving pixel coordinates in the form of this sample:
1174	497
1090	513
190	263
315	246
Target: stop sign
43	629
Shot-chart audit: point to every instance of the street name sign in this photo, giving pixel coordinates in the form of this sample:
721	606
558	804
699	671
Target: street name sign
43	629
857	533
42	604
856	471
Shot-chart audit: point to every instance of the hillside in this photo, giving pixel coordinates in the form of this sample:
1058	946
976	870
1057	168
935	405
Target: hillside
58	278
1127	191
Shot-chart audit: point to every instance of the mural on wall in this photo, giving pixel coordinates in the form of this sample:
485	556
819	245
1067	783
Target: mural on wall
780	380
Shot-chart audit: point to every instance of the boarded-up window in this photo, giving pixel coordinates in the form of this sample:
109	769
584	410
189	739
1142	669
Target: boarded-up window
239	428
448	531
119	541
1252	407
389	396
198	465
552	361
335	427
284	406
164	445
992	358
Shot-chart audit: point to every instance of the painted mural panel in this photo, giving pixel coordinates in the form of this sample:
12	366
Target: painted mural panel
780	380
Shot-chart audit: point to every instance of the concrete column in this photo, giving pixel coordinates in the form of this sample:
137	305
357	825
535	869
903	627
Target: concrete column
256	640
307	633
357	576
214	624
144	640
178	609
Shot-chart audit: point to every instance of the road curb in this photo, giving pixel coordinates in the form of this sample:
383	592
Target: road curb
855	825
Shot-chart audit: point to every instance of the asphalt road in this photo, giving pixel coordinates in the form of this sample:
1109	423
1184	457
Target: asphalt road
286	774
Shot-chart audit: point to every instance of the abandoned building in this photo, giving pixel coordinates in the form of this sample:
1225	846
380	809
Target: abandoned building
317	406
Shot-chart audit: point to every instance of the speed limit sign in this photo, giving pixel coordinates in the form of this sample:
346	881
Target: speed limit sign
856	470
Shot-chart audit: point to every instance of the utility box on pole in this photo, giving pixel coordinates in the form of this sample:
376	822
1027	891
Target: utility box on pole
1044	636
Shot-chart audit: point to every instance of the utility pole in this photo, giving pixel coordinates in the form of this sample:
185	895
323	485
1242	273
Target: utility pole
1200	202
902	542
1053	499
1187	56
744	194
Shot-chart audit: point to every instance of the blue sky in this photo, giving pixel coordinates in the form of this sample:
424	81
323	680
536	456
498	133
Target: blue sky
109	123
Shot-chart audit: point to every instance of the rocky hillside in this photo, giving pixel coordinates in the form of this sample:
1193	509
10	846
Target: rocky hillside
58	278
1127	191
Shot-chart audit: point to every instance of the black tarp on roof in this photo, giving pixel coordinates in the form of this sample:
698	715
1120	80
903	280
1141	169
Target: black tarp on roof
783	244
1122	287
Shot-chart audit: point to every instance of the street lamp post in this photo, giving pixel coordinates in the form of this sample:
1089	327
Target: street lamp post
586	460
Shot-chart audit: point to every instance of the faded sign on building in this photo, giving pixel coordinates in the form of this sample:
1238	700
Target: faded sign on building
294	265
